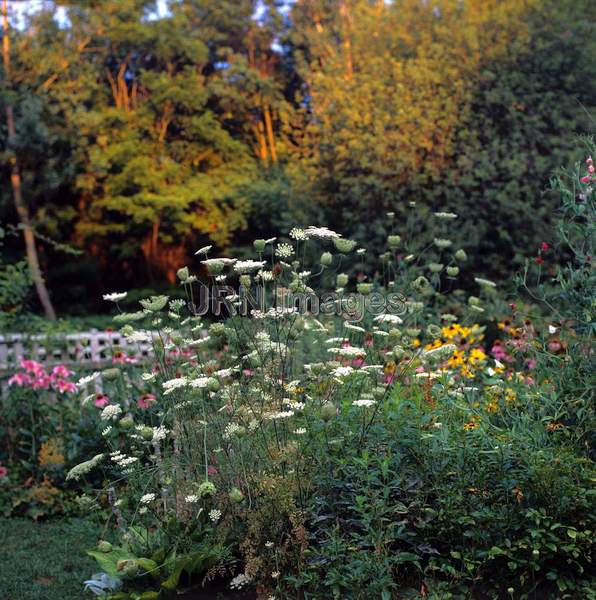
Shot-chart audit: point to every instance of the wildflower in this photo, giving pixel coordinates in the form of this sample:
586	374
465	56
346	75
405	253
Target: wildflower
321	232
344	246
389	318
111	411
106	431
265	275
393	241
246	266
326	259
203	250
146	401
159	433
61	371
3	472
83	381
445	215
83	468
364	288
115	296
341	280
274	575
101	400
364	402
191	499
174	384
435	267
239	581
214	515
453	271
300	431
486	283
65	386
284	250
206	489
442	243
269	544
147	498
461	255
20	379
298	234
154	303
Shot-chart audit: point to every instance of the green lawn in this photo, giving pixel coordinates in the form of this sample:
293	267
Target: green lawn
45	561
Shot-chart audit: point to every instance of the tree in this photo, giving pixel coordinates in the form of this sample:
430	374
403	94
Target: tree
15	177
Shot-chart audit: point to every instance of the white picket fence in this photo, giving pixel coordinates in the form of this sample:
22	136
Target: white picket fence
90	349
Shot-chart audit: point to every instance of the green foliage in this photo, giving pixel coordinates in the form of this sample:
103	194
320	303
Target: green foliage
15	284
141	136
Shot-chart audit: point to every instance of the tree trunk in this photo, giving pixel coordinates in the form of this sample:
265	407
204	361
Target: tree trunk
15	180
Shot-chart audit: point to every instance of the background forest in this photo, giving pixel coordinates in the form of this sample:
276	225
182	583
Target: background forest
142	132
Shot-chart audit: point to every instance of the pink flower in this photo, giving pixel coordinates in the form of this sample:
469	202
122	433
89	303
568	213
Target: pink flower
531	363
20	379
248	372
389	379
31	366
101	400
42	382
3	472
544	246
358	362
585	179
211	470
65	386
146	401
61	371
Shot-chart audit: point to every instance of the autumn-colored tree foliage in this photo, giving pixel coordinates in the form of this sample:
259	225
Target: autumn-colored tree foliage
145	130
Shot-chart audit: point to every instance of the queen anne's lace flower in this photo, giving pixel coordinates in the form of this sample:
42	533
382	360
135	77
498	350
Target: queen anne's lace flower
284	251
214	515
111	411
83	468
115	296
298	234
321	232
246	266
364	402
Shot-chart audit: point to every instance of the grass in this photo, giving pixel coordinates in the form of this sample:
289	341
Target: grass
45	561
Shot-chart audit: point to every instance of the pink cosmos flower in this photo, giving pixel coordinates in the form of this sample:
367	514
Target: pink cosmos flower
101	400
146	401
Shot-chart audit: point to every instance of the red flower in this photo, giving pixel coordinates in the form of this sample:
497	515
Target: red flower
544	246
3	472
539	260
